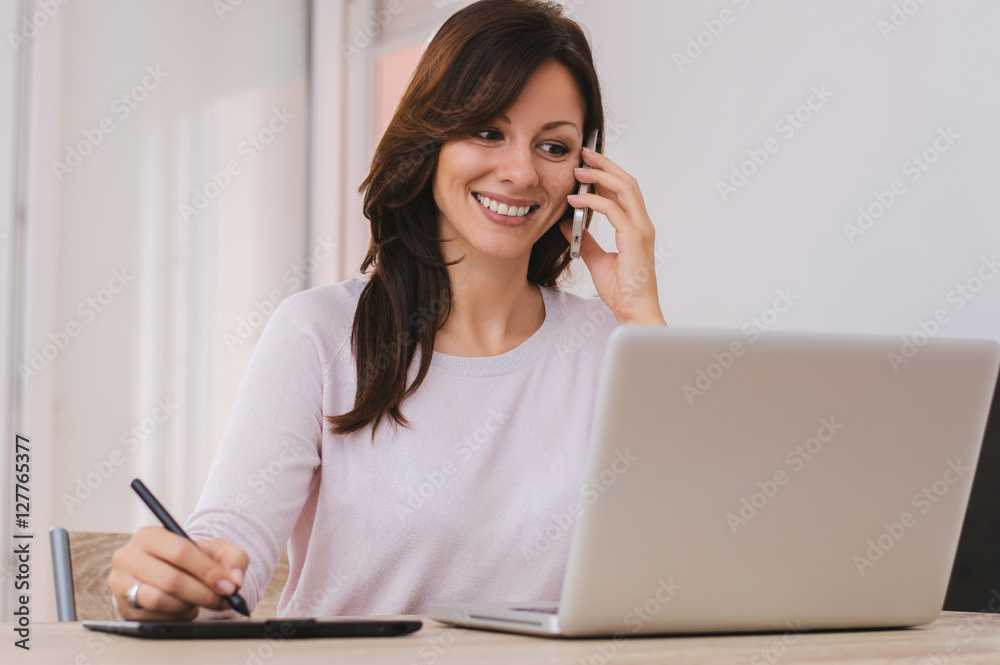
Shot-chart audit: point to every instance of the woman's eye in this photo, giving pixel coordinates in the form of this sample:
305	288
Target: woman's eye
489	135
555	149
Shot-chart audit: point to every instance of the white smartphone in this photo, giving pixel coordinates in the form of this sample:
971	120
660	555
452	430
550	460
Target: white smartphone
580	215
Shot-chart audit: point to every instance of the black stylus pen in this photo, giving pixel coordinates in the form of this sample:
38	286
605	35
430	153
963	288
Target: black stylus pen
235	601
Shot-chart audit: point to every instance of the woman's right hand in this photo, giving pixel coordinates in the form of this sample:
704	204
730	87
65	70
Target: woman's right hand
177	575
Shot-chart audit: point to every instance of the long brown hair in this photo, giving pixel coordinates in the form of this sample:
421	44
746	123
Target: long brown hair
472	71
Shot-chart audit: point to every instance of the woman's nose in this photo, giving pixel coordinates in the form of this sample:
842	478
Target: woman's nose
517	167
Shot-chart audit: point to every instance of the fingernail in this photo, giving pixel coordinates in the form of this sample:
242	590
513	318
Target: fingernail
580	168
237	575
225	587
586	149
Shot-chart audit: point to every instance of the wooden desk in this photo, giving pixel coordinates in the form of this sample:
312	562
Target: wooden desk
955	638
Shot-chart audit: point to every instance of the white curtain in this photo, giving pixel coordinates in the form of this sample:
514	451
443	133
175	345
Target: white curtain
165	217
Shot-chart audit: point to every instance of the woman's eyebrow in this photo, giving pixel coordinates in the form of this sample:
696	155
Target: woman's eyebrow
559	123
549	125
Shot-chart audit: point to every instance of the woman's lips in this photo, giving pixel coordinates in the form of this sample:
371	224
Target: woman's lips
498	212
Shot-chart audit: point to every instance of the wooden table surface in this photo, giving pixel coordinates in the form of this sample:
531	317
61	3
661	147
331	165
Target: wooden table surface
955	638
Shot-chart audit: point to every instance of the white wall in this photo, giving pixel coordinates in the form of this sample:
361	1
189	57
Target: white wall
681	130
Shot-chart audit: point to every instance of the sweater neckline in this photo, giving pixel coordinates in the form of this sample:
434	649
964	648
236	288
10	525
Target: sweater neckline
518	357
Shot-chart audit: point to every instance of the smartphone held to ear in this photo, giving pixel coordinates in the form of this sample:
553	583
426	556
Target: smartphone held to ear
580	214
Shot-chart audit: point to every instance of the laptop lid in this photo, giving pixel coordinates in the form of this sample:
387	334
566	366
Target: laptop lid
800	481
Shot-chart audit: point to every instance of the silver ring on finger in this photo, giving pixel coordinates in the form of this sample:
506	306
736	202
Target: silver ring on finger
130	596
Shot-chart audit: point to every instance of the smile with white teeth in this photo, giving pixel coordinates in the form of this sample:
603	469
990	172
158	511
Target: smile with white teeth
503	208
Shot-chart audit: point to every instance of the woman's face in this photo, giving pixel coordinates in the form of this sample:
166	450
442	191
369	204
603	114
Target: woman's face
521	166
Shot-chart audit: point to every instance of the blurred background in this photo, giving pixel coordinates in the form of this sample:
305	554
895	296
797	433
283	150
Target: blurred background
174	169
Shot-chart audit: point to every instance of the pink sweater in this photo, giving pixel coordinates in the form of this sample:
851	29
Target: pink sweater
469	503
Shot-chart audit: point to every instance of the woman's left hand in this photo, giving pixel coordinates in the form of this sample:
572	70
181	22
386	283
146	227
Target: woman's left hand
626	279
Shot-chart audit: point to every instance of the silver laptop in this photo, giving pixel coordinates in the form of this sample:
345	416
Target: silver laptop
791	482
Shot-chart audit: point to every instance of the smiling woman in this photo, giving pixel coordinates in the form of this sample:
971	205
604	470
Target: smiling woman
459	323
472	76
499	190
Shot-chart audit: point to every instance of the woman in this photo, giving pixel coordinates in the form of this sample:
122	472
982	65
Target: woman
421	434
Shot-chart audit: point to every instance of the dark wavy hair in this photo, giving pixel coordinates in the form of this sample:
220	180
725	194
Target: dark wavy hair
473	71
